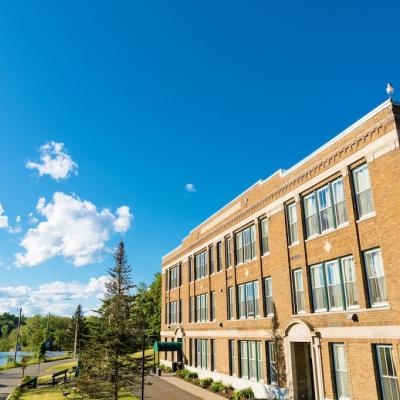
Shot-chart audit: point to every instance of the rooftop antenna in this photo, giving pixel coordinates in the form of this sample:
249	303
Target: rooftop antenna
390	90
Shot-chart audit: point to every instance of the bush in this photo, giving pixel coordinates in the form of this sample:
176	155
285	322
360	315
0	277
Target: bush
197	381
243	394
192	375
206	382
164	368
182	373
228	388
217	386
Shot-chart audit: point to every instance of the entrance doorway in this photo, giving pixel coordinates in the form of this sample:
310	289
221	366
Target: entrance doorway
302	370
303	362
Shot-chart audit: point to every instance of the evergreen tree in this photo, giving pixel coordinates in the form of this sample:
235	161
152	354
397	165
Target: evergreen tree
108	364
77	326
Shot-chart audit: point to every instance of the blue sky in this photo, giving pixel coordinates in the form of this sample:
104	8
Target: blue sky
150	96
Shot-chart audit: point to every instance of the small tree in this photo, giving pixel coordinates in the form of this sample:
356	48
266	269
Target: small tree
279	348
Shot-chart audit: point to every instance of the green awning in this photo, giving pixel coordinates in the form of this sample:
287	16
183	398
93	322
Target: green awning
167	346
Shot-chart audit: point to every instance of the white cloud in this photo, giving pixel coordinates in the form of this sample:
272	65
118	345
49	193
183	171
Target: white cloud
56	297
32	219
54	161
18	219
72	228
3	218
190	188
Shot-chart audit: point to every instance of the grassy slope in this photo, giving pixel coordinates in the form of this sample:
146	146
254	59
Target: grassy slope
50	393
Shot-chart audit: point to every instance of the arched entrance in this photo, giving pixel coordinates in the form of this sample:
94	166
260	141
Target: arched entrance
180	335
303	361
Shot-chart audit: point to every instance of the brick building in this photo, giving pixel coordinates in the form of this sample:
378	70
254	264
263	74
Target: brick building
293	287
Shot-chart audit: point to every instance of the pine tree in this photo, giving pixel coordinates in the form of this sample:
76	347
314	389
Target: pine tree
77	326
108	363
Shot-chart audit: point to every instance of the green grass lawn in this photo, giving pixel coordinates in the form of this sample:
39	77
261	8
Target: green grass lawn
50	393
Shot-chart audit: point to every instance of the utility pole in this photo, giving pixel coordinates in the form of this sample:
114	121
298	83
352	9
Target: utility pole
76	335
19	327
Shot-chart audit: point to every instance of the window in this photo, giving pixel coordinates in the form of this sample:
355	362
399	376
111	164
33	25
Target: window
325	208
245	245
363	192
318	287
212	306
376	277
248	300
191	352
190	269
340	371
272	364
292	223
231	304
191	309
232	358
311	215
202	308
200	265
339	202
269	305
349	280
202	353
228	252
213	355
173	277
334	285
211	255
173	312
298	291
219	256
387	372
264	236
251	360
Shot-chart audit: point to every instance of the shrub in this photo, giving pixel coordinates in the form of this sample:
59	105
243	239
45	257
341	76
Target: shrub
217	386
164	368
227	388
197	381
206	382
243	394
192	375
182	373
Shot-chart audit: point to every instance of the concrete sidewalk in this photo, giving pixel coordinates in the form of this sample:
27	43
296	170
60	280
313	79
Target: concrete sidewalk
191	388
169	387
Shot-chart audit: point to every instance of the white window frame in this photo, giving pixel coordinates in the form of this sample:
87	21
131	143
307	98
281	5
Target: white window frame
293	233
249	305
379	268
269	302
251	358
384	372
358	193
264	236
298	291
341	372
245	245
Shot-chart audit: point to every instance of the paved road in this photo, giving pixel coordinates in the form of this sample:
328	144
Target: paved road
11	378
157	388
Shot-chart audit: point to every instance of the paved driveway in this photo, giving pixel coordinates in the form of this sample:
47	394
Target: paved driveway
11	378
157	388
